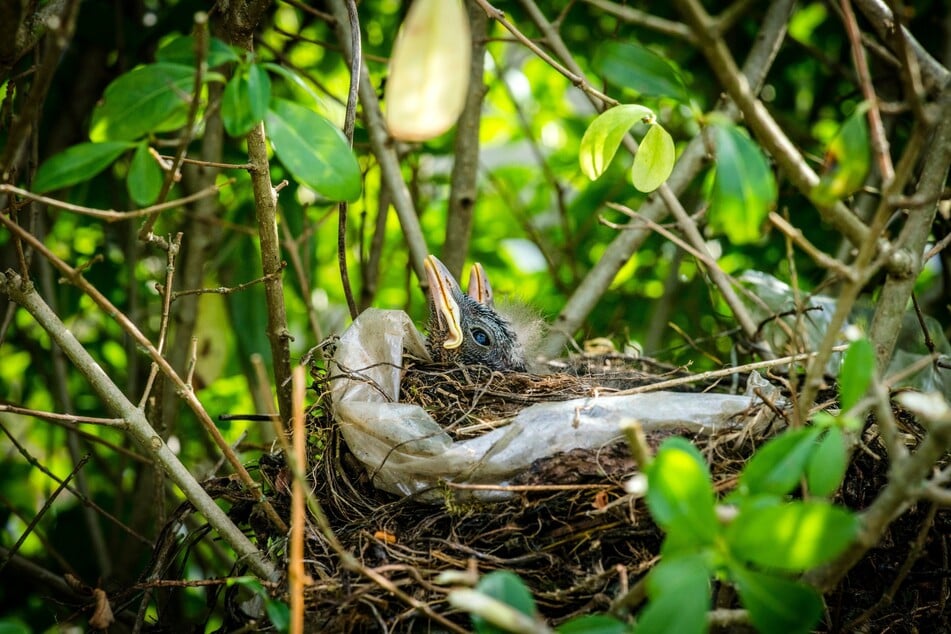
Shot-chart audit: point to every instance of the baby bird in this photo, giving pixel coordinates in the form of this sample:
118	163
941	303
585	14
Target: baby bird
465	328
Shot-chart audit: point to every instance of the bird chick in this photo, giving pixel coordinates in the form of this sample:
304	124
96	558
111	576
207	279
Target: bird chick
465	328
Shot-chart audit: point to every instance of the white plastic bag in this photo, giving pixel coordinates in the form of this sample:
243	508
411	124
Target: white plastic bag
406	452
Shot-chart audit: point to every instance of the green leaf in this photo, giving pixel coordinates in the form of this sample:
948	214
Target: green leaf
181	50
145	177
828	463
634	67
77	164
679	492
794	536
744	188
294	79
858	367
847	160
314	151
593	624
778	465
245	100
602	138
776	604
654	160
679	591
10	625
140	101
508	588
279	613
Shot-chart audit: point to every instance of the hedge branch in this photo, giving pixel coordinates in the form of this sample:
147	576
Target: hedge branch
135	421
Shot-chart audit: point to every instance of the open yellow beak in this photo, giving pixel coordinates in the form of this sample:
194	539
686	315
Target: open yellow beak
479	287
441	286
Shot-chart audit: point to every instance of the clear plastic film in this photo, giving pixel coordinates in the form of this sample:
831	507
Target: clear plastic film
777	298
406	452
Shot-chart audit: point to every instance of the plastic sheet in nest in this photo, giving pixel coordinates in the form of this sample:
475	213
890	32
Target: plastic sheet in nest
469	426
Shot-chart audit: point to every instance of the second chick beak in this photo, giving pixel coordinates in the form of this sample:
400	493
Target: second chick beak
442	287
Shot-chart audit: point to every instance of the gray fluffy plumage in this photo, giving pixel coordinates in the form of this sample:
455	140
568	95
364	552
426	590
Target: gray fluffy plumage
487	338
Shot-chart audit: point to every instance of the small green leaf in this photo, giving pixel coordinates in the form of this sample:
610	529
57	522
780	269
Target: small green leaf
858	367
744	188
679	591
634	67
145	178
245	100
593	624
776	604
77	164
828	463
314	151
602	138
794	536
181	50
654	160
507	587
777	466
679	492
140	101
847	160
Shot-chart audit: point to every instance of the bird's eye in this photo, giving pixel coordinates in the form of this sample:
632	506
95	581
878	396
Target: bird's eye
480	336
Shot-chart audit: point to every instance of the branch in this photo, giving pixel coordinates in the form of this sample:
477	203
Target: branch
914	236
240	20
76	278
137	424
879	16
110	215
356	58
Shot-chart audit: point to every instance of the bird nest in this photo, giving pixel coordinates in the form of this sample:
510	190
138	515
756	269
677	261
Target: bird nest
573	544
579	547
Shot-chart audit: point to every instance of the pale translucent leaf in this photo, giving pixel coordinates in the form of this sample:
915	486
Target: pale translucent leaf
429	70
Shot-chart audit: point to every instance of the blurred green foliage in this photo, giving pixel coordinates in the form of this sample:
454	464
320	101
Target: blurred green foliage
537	229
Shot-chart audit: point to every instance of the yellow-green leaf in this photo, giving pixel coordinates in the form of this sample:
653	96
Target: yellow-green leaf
846	161
654	160
602	138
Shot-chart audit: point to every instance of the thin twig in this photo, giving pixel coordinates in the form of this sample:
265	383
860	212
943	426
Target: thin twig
110	215
173	248
820	258
715	374
188	130
63	484
879	139
356	53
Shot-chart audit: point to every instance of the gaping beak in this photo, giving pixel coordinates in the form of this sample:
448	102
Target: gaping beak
479	287
442	286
